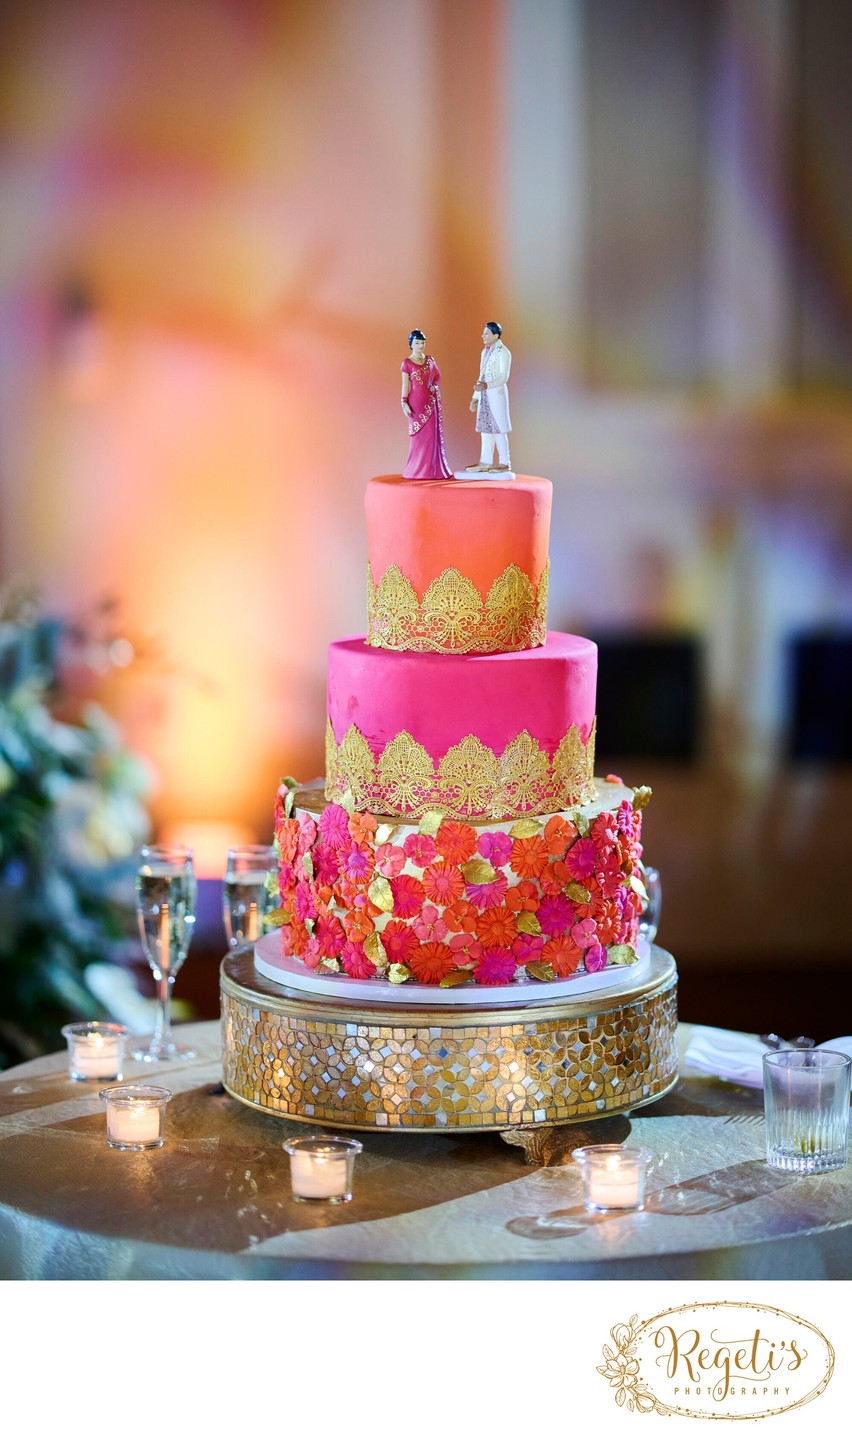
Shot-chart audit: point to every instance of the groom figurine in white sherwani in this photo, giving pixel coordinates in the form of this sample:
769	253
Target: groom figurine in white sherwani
491	403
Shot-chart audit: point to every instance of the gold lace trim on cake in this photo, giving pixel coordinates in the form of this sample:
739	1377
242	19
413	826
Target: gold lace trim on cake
452	617
470	782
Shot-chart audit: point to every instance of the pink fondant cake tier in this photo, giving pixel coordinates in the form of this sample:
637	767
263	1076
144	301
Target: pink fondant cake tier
448	901
494	735
457	567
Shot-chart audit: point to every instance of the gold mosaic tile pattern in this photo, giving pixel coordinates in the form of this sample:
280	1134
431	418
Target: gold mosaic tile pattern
355	1067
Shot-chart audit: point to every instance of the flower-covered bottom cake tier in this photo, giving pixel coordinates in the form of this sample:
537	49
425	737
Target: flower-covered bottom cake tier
440	901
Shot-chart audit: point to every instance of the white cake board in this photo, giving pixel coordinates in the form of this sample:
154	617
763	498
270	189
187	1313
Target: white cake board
292	974
471	474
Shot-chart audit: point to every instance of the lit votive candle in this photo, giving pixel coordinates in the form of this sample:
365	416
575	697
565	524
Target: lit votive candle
135	1115
613	1176
321	1167
96	1050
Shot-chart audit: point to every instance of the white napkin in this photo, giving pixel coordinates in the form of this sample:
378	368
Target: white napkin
738	1057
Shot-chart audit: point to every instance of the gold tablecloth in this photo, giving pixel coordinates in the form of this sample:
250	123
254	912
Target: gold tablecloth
215	1201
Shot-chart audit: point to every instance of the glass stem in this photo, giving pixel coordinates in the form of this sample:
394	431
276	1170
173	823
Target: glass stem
162	1027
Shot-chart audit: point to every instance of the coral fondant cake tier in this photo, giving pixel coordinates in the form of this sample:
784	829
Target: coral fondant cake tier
457	567
475	736
456	902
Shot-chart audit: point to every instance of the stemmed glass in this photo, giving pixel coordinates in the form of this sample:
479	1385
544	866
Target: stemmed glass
165	907
246	898
649	919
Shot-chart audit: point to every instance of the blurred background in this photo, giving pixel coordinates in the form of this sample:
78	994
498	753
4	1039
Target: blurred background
220	219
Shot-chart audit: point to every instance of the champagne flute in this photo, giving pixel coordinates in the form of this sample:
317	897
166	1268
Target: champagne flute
165	907
649	919
246	897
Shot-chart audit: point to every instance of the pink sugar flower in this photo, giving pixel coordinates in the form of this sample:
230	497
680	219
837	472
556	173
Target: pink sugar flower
585	933
581	859
488	896
626	820
527	948
421	849
311	953
496	847
465	947
326	863
609	880
408	895
307	832
357	864
355	961
594	959
496	966
390	860
556	914
329	936
399	941
305	903
334	826
430	927
604	831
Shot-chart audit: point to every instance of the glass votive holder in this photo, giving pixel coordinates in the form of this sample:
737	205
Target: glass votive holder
613	1176
806	1109
321	1167
95	1050
135	1115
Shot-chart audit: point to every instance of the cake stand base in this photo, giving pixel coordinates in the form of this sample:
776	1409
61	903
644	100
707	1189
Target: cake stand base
328	1063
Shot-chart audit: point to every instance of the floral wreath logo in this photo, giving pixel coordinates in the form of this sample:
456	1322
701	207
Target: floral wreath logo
622	1371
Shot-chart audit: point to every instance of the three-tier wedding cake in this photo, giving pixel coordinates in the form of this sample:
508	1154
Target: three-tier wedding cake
460	853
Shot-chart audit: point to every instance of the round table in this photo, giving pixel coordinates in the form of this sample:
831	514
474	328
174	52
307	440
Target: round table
215	1201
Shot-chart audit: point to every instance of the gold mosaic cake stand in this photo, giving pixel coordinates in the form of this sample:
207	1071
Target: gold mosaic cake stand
368	1066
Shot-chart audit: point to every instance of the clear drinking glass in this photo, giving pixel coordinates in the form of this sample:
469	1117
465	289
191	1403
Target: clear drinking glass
649	920
806	1109
246	899
165	906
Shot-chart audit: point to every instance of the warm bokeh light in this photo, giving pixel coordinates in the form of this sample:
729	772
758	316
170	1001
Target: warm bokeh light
220	223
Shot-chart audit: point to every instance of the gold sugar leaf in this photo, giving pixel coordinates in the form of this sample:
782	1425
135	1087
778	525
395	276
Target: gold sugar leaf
288	804
332	966
276	918
641	797
398	973
310	925
431	822
541	971
381	894
528	923
385	832
375	950
347	802
308	864
638	887
478	871
580	822
455	978
577	892
525	829
290	781
622	954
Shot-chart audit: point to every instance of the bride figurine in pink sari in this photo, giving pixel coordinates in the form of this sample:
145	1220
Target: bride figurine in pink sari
421	404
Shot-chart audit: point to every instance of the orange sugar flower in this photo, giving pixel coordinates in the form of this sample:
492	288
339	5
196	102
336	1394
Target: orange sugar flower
429	963
462	917
563	955
295	937
456	842
555	877
288	839
362	827
530	857
497	928
357	925
609	923
523	896
558	834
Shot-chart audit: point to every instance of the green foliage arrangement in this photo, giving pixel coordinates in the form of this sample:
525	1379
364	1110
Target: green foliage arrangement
71	819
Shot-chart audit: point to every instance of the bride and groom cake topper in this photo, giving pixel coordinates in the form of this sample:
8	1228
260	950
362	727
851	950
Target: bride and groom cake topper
421	404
